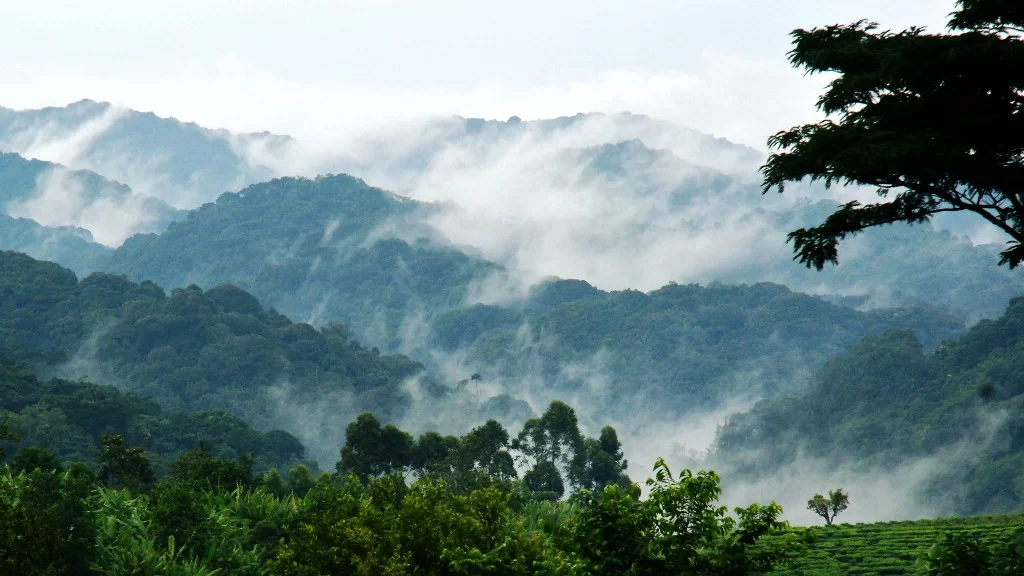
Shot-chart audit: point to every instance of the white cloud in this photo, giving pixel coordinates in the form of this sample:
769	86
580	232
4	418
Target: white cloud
110	214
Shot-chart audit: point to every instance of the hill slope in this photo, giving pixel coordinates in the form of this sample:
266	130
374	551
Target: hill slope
331	248
180	163
889	548
197	350
53	195
68	246
68	418
887	401
674	350
619	200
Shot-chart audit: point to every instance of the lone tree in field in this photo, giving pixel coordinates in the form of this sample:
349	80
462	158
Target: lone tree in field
933	122
829	508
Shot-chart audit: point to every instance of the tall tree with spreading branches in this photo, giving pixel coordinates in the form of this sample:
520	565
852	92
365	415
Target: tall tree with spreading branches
830	507
933	122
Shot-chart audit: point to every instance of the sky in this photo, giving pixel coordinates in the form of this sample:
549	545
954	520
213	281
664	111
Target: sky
315	68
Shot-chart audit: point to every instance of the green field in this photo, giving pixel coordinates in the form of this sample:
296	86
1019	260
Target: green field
888	548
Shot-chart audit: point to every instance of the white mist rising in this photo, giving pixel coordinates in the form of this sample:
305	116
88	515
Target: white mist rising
111	214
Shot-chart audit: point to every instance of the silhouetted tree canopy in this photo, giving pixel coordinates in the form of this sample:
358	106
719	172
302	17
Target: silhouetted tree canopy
933	122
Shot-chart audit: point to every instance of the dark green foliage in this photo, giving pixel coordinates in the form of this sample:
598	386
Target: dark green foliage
192	350
545	478
46	526
548	294
552	443
179	502
73	248
124	467
388	529
300	480
887	401
932	121
605	462
201	469
31	458
64	524
478	459
7	434
372	450
485	449
690	346
909	547
69	418
179	512
557	453
958	555
678	529
457	328
304	247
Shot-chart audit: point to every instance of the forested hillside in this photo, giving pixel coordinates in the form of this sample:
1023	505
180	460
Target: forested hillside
641	186
327	249
195	350
888	401
333	248
410	343
180	163
675	349
68	246
53	195
631	201
70	418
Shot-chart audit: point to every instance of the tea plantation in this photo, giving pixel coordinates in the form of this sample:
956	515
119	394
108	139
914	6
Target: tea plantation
888	548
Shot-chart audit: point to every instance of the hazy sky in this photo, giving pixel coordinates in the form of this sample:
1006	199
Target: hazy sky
314	68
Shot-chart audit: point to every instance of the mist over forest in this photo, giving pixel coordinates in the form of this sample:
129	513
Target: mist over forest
455	315
623	264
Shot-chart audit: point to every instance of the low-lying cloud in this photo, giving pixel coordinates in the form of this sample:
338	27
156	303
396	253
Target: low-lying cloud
111	213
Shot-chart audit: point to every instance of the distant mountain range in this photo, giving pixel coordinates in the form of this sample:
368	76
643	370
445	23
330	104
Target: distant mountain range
54	195
180	163
624	264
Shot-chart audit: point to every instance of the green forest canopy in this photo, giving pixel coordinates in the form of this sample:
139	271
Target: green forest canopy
887	401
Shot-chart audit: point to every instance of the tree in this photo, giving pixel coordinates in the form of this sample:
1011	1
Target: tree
46	523
124	467
273	483
553	441
31	458
829	508
7	434
300	480
957	555
202	470
545	480
373	450
432	449
477	460
933	122
679	529
605	463
486	448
